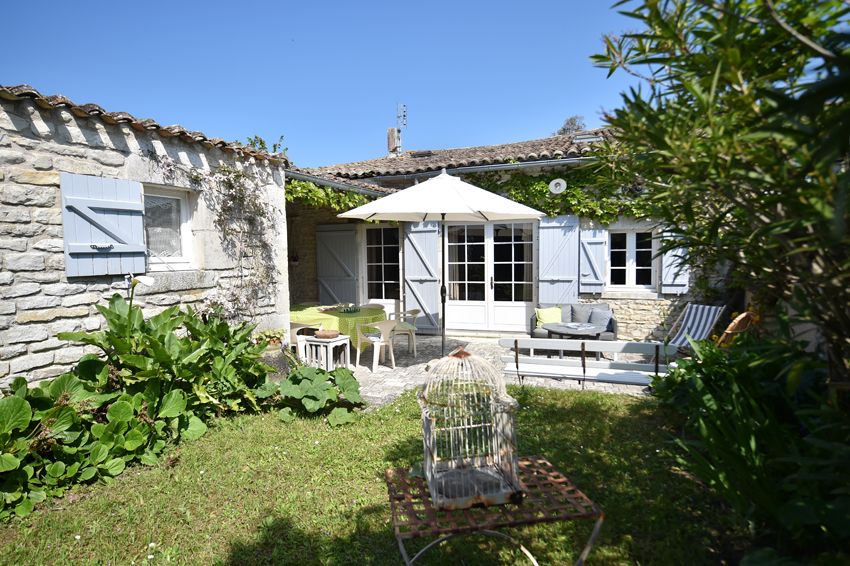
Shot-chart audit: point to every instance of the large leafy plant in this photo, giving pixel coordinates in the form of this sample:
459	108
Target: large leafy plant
314	390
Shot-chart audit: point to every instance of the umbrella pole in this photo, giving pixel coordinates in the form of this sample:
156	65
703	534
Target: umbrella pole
443	289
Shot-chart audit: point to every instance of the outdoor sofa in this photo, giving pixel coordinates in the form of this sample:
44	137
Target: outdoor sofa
575	312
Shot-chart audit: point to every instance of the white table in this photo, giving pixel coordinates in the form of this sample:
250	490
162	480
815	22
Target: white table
328	353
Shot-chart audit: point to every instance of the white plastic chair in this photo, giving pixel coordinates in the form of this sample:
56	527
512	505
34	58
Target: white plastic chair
378	342
407	325
298	338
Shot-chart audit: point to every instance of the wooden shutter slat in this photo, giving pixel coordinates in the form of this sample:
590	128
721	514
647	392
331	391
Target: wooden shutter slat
557	279
593	260
107	214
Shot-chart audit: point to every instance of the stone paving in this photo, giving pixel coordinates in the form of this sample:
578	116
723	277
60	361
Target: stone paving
386	384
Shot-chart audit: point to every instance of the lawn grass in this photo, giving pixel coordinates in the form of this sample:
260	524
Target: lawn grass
257	491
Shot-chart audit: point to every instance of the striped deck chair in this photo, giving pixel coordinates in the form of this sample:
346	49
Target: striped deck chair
696	323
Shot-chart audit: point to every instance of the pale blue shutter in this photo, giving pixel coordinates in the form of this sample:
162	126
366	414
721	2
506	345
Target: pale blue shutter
103	225
421	273
336	263
557	279
675	274
593	259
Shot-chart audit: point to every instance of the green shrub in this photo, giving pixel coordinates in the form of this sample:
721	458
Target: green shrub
760	433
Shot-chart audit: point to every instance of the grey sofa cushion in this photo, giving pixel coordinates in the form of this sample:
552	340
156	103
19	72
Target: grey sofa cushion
566	313
539	333
581	312
602	317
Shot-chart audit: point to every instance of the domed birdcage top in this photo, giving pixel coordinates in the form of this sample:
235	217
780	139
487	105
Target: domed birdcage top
460	377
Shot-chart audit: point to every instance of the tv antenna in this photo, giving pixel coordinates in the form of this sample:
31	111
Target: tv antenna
394	134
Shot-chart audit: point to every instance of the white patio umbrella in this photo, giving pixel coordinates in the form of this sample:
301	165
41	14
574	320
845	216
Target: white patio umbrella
444	198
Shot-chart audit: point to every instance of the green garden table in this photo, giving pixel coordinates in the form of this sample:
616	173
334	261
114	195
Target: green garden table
332	319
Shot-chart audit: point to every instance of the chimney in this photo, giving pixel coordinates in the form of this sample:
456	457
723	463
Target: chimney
393	142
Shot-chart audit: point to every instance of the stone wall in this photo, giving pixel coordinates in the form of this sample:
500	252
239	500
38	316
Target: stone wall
37	299
645	318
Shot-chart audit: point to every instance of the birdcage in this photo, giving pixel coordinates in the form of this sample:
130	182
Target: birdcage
468	433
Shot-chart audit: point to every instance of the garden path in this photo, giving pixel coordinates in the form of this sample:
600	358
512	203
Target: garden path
386	384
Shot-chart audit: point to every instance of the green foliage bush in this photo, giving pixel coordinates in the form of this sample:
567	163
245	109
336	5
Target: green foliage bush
759	433
314	390
155	382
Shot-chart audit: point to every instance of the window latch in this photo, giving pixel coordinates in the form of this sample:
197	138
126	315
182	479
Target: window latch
104	247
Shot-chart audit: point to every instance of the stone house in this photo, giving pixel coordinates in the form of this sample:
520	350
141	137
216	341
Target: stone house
88	197
499	271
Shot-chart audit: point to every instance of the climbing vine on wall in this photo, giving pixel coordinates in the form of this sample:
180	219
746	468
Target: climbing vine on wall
313	195
243	218
582	197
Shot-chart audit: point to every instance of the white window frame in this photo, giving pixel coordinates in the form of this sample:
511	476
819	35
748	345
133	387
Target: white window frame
185	261
631	260
366	264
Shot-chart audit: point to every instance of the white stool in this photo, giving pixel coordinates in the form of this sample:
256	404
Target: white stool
328	353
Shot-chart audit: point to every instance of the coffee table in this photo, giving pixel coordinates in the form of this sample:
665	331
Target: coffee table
573	329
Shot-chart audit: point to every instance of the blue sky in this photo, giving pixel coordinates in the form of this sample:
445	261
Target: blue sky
325	75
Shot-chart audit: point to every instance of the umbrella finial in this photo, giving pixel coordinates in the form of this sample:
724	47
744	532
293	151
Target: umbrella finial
443	172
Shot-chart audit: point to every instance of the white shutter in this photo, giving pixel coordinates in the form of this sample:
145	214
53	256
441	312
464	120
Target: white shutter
421	275
336	263
593	258
103	225
675	273
557	279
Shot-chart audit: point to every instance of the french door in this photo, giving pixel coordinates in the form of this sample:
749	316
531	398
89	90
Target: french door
490	276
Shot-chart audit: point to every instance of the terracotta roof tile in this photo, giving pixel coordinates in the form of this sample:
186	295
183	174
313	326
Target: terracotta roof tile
58	101
421	161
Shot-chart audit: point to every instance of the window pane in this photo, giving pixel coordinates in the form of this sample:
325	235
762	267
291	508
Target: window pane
457	291
390	236
456	234
522	252
390	254
643	276
374	273
502	292
522	232
162	226
457	253
502	252
457	272
502	272
618	241
373	237
475	292
618	276
375	291
643	240
502	233
475	272
391	291
523	293
522	272
475	233
643	258
391	272
475	253
374	255
618	259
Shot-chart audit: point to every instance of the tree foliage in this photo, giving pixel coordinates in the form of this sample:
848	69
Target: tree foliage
571	125
738	136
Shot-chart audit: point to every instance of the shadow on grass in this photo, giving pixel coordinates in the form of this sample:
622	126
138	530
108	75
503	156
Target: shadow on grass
614	449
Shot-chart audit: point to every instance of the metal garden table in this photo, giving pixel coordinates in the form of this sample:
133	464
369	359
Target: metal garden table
549	497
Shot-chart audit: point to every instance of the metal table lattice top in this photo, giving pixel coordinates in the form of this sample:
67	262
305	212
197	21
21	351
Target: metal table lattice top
549	497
